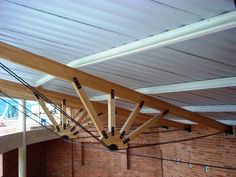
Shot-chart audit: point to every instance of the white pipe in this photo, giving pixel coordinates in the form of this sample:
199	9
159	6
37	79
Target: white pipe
22	149
181	87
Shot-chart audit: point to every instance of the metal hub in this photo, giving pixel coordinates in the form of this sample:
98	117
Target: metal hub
113	147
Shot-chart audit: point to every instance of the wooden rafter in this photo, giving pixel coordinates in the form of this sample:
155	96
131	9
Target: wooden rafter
51	67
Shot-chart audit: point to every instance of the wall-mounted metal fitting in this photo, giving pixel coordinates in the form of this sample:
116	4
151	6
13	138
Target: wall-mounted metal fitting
230	133
188	129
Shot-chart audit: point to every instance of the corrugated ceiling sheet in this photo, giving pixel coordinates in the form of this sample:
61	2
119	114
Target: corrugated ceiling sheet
27	74
65	30
207	57
67	88
221	96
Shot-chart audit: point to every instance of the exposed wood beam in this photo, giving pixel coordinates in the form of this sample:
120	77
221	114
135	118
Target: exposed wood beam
89	107
19	91
198	29
143	127
47	112
182	87
111	113
45	65
63	117
131	119
78	118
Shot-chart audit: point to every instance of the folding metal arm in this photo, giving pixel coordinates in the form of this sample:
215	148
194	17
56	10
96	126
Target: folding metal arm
47	112
89	108
130	119
144	126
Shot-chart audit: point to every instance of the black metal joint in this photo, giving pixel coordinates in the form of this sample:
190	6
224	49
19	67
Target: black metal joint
64	126
165	112
77	83
141	104
37	95
188	129
104	134
122	134
58	128
112	94
230	131
99	114
72	129
65	137
126	141
76	133
164	126
112	131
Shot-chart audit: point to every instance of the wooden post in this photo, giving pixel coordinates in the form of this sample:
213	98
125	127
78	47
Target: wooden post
64	119
111	113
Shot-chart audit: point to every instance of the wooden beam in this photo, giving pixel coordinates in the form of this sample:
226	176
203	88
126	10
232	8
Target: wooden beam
89	107
78	118
19	91
59	70
63	117
143	127
47	112
111	113
131	119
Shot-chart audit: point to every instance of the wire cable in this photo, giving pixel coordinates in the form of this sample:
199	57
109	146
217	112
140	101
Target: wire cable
138	155
30	117
161	158
35	91
175	141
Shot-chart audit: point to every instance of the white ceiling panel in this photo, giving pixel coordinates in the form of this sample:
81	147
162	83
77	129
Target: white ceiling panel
27	74
66	30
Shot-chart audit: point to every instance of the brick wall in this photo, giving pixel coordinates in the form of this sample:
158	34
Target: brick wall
91	159
87	158
1	167
215	150
36	161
